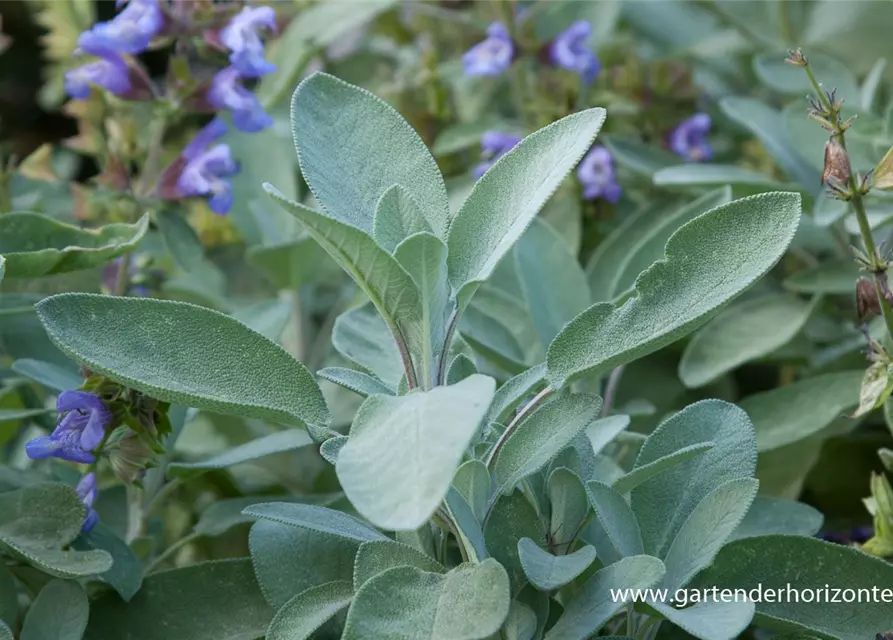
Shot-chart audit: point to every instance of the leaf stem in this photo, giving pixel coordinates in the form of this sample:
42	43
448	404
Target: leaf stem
611	390
171	550
447	343
536	401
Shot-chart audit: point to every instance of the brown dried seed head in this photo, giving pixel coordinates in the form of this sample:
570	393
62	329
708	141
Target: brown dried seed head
866	299
837	163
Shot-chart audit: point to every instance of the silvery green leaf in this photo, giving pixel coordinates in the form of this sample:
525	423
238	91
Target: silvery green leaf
278	442
697	176
639	475
663	503
377	557
282	573
331	447
507	198
398	216
512	392
797	411
315	518
126	573
403	451
593	604
217	600
424	257
361	336
267	317
468	603
706	530
391	290
639	157
779	561
832	277
569	504
55	247
548	572
225	514
616	518
180	239
460	368
511	518
769	515
183	354
357	381
709	261
9	597
542	259
5	633
301	616
290	264
470	533
541	436
59	612
604	430
740	334
352	147
710	620
870	85
52	376
520	624
472	480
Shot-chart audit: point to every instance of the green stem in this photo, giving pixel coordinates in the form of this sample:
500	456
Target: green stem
171	550
156	501
518	419
611	390
445	352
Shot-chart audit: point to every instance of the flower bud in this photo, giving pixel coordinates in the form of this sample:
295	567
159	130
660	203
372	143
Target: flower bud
866	299
837	163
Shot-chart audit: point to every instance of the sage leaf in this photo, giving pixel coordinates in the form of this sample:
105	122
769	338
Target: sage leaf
664	502
540	436
9	597
768	515
691	176
403	451
468	603
776	561
710	260
397	217
710	620
511	518
472	480
593	605
183	354
35	245
512	392
180	238
617	519
361	336
217	600
126	573
460	368
548	572
5	633
706	530
740	334
360	383
59	612
569	504
338	128
520	624
290	264
330	448
835	277
507	198
637	156
315	518
786	78
51	376
267	317
602	431
301	616
223	515
470	533
377	557
639	475
277	442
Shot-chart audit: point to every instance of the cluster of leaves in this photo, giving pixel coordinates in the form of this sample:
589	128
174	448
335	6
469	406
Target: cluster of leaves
437	421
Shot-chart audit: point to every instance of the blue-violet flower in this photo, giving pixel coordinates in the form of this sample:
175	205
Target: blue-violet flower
492	56
596	174
494	145
689	138
206	167
83	420
240	37
227	92
87	492
109	72
130	31
570	51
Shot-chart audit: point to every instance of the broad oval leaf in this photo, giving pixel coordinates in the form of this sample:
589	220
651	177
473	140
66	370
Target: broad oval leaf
778	562
397	216
740	334
569	504
710	619
309	610
647	471
832	277
378	556
472	480
352	147
35	245
709	261
506	199
403	451
315	518
616	518
470	602
126	573
360	383
59	612
546	571
769	515
361	336
184	354
512	392
217	600
541	436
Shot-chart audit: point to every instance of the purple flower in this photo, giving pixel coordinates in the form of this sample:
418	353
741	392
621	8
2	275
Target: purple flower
494	145
130	31
492	56
109	72
240	37
596	173
206	167
228	93
83	420
689	138
87	492
570	51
